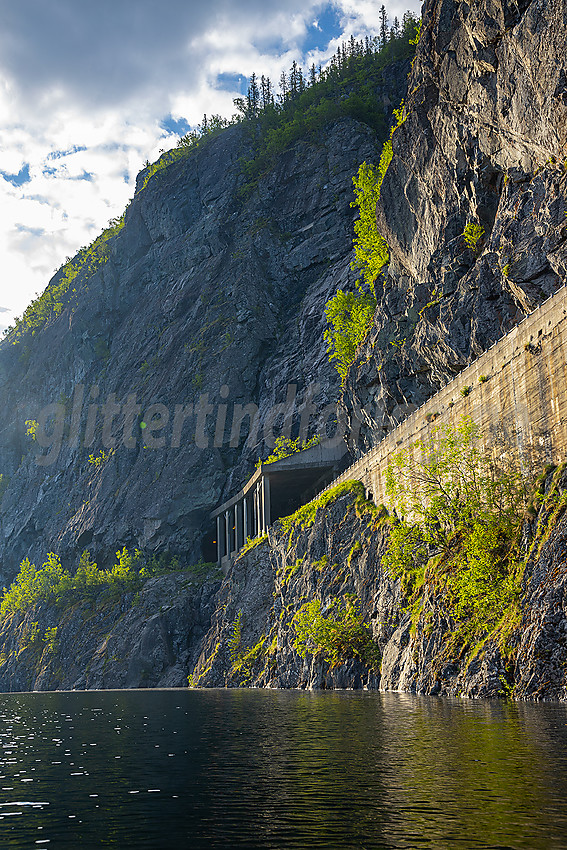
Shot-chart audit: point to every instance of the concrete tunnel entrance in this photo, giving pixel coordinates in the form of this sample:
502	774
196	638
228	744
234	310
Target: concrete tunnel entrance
275	490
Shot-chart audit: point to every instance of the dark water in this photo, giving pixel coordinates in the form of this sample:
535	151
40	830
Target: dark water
192	769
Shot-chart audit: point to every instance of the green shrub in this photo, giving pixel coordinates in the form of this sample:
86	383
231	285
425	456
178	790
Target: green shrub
473	234
52	584
305	516
252	542
286	447
50	640
235	639
453	499
350	314
466	391
338	634
52	301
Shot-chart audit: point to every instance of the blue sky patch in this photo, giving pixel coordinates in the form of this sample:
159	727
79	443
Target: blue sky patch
232	82
326	27
68	152
33	231
178	126
23	176
86	175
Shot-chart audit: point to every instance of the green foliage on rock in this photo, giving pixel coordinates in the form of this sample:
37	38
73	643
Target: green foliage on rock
50	639
305	516
286	447
252	542
457	515
350	314
306	103
473	235
53	584
235	639
202	134
370	249
337	631
52	301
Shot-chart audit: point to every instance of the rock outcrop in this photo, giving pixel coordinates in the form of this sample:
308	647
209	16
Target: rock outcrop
145	639
485	144
213	293
252	641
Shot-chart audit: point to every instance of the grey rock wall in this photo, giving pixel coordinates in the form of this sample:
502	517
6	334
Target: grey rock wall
340	554
485	141
206	287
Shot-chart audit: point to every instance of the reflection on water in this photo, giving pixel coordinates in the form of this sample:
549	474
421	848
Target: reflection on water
191	769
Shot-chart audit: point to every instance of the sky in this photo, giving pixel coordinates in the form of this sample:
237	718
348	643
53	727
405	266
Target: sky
91	90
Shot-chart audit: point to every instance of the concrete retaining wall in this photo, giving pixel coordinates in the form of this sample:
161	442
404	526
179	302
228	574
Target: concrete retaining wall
520	403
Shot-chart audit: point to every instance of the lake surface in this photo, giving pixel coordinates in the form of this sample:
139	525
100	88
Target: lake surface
192	769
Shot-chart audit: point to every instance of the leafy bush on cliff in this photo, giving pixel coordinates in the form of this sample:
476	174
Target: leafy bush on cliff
286	447
457	515
305	516
338	632
52	301
350	314
51	583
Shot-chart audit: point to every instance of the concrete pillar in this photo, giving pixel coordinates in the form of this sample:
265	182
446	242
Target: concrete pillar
220	539
227	531
245	529
239	525
256	512
261	529
266	519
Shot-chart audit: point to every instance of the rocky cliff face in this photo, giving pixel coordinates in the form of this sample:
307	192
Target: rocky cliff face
242	630
211	295
252	641
144	639
484	143
207	287
484	146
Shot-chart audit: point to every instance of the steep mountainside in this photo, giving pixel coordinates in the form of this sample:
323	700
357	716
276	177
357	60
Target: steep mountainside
482	153
209	286
211	294
253	638
485	144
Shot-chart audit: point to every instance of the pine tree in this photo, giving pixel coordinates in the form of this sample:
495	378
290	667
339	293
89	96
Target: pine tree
312	75
383	27
266	92
253	97
294	80
284	88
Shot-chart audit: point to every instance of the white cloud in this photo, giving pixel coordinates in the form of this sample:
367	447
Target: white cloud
84	89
